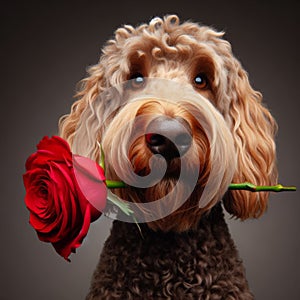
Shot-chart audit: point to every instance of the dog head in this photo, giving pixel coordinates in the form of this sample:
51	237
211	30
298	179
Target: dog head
178	122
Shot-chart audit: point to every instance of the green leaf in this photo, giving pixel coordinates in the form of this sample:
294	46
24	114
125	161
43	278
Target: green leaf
102	157
123	206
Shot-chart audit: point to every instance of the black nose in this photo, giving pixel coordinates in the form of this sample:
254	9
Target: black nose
170	137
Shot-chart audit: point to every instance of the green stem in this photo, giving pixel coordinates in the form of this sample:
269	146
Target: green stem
111	184
260	188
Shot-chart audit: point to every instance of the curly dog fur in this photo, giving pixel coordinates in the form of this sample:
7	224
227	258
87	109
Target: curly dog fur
198	264
194	83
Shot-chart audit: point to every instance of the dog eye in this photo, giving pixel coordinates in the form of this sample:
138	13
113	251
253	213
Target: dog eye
200	81
137	80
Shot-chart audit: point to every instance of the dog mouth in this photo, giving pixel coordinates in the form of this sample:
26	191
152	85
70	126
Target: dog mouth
165	169
171	167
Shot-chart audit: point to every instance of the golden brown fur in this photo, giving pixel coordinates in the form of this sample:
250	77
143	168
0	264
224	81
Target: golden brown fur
233	133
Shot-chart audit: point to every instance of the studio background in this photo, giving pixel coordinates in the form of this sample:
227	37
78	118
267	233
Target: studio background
45	49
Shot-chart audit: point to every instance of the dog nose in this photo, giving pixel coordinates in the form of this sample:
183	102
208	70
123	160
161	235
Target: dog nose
170	137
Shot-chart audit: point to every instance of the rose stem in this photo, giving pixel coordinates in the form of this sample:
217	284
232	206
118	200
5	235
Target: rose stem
256	188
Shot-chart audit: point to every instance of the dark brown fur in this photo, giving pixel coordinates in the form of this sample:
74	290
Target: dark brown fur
197	264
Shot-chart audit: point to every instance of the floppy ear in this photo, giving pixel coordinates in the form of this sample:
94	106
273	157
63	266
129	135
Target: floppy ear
78	124
97	100
253	130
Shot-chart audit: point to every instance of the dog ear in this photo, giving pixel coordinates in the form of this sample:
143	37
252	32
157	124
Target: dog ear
253	130
74	126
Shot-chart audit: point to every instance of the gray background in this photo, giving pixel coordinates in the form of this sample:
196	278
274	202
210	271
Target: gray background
45	49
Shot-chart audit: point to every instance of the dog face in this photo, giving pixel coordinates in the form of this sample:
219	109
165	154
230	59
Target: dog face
178	121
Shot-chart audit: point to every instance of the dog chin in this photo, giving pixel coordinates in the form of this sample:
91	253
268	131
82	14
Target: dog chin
175	204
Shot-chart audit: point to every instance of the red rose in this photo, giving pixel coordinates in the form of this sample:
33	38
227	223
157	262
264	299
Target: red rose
62	191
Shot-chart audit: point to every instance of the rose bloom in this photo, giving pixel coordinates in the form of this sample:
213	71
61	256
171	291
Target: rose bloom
60	188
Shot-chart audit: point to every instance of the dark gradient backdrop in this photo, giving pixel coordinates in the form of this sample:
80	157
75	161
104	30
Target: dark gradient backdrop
45	49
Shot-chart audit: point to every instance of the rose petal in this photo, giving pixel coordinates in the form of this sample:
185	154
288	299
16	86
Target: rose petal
64	248
49	149
55	145
90	176
66	187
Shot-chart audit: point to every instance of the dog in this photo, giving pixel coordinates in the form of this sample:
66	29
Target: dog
178	121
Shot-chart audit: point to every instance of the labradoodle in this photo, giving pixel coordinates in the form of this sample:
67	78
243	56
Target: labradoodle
178	122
